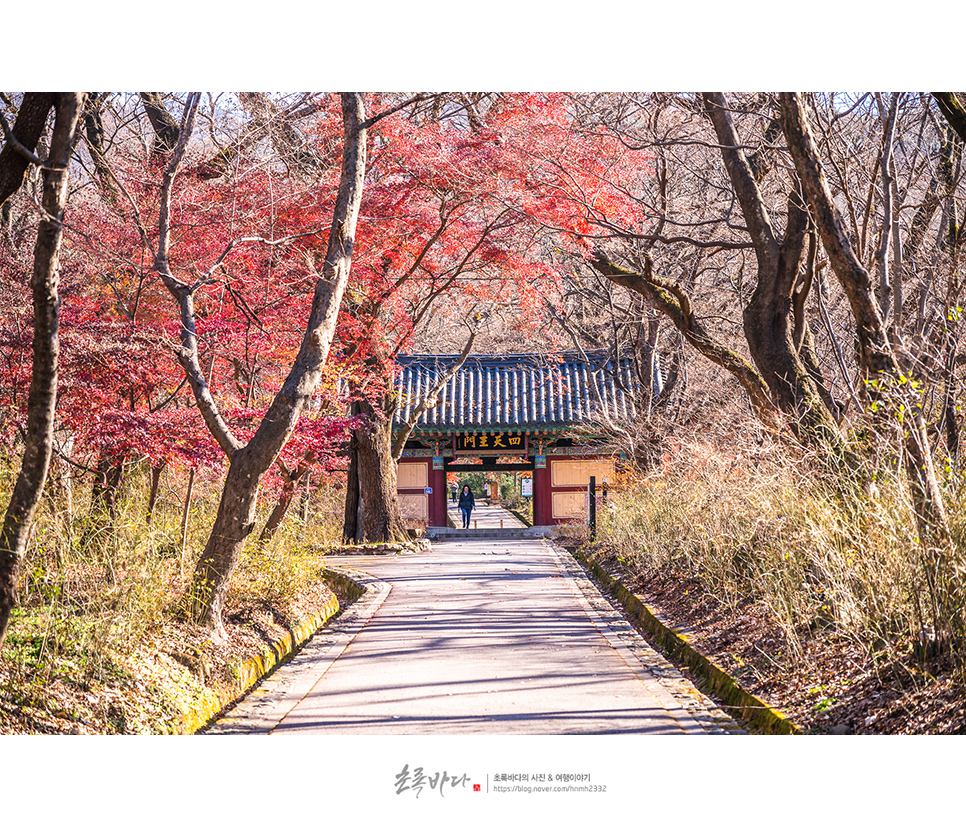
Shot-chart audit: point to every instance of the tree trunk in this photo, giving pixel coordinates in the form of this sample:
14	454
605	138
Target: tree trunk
382	521
236	512
233	524
769	328
769	317
105	491
372	502
671	299
953	111
166	128
42	397
156	472
899	407
277	515
291	479
27	129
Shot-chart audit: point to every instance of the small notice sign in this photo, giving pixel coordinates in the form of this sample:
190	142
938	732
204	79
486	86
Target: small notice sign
526	487
428	490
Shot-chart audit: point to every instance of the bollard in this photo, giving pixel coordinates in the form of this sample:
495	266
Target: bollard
501	523
475	522
592	507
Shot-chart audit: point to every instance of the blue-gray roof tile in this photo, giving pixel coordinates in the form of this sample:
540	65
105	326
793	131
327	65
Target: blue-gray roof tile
517	392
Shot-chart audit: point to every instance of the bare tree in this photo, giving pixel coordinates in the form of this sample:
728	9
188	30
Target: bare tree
38	439
877	359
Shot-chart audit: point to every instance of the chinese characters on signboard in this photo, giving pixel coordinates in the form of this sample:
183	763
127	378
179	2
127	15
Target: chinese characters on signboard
504	442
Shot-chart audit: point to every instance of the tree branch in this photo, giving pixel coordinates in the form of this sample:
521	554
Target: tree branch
953	111
429	401
21	140
671	299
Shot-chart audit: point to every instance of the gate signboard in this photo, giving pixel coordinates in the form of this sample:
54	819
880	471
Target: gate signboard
503	442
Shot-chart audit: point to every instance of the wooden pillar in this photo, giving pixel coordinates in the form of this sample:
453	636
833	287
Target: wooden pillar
437	500
542	501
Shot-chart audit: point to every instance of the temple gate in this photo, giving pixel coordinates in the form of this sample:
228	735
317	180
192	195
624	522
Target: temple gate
521	412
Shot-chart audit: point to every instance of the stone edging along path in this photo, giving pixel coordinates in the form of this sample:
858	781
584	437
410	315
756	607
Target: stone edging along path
356	586
249	672
677	648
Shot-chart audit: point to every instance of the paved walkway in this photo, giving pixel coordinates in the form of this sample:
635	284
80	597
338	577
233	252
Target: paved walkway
484	637
484	516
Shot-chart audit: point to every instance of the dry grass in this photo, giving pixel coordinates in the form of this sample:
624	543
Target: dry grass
97	643
818	550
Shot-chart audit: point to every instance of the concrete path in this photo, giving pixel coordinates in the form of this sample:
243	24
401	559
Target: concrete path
481	637
485	517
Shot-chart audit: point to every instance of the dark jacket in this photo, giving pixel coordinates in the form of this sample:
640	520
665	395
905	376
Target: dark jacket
467	502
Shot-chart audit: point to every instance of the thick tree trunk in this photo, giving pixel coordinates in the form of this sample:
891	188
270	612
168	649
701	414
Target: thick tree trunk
233	524
381	521
248	463
671	299
166	128
46	346
879	364
372	503
27	129
953	111
769	318
769	328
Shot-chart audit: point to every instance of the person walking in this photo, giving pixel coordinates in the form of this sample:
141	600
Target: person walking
466	505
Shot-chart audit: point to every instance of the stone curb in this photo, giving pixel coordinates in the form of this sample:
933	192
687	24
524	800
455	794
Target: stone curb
519	516
690	707
274	654
677	648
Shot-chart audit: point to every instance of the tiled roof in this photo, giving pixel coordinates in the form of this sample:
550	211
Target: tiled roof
517	392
